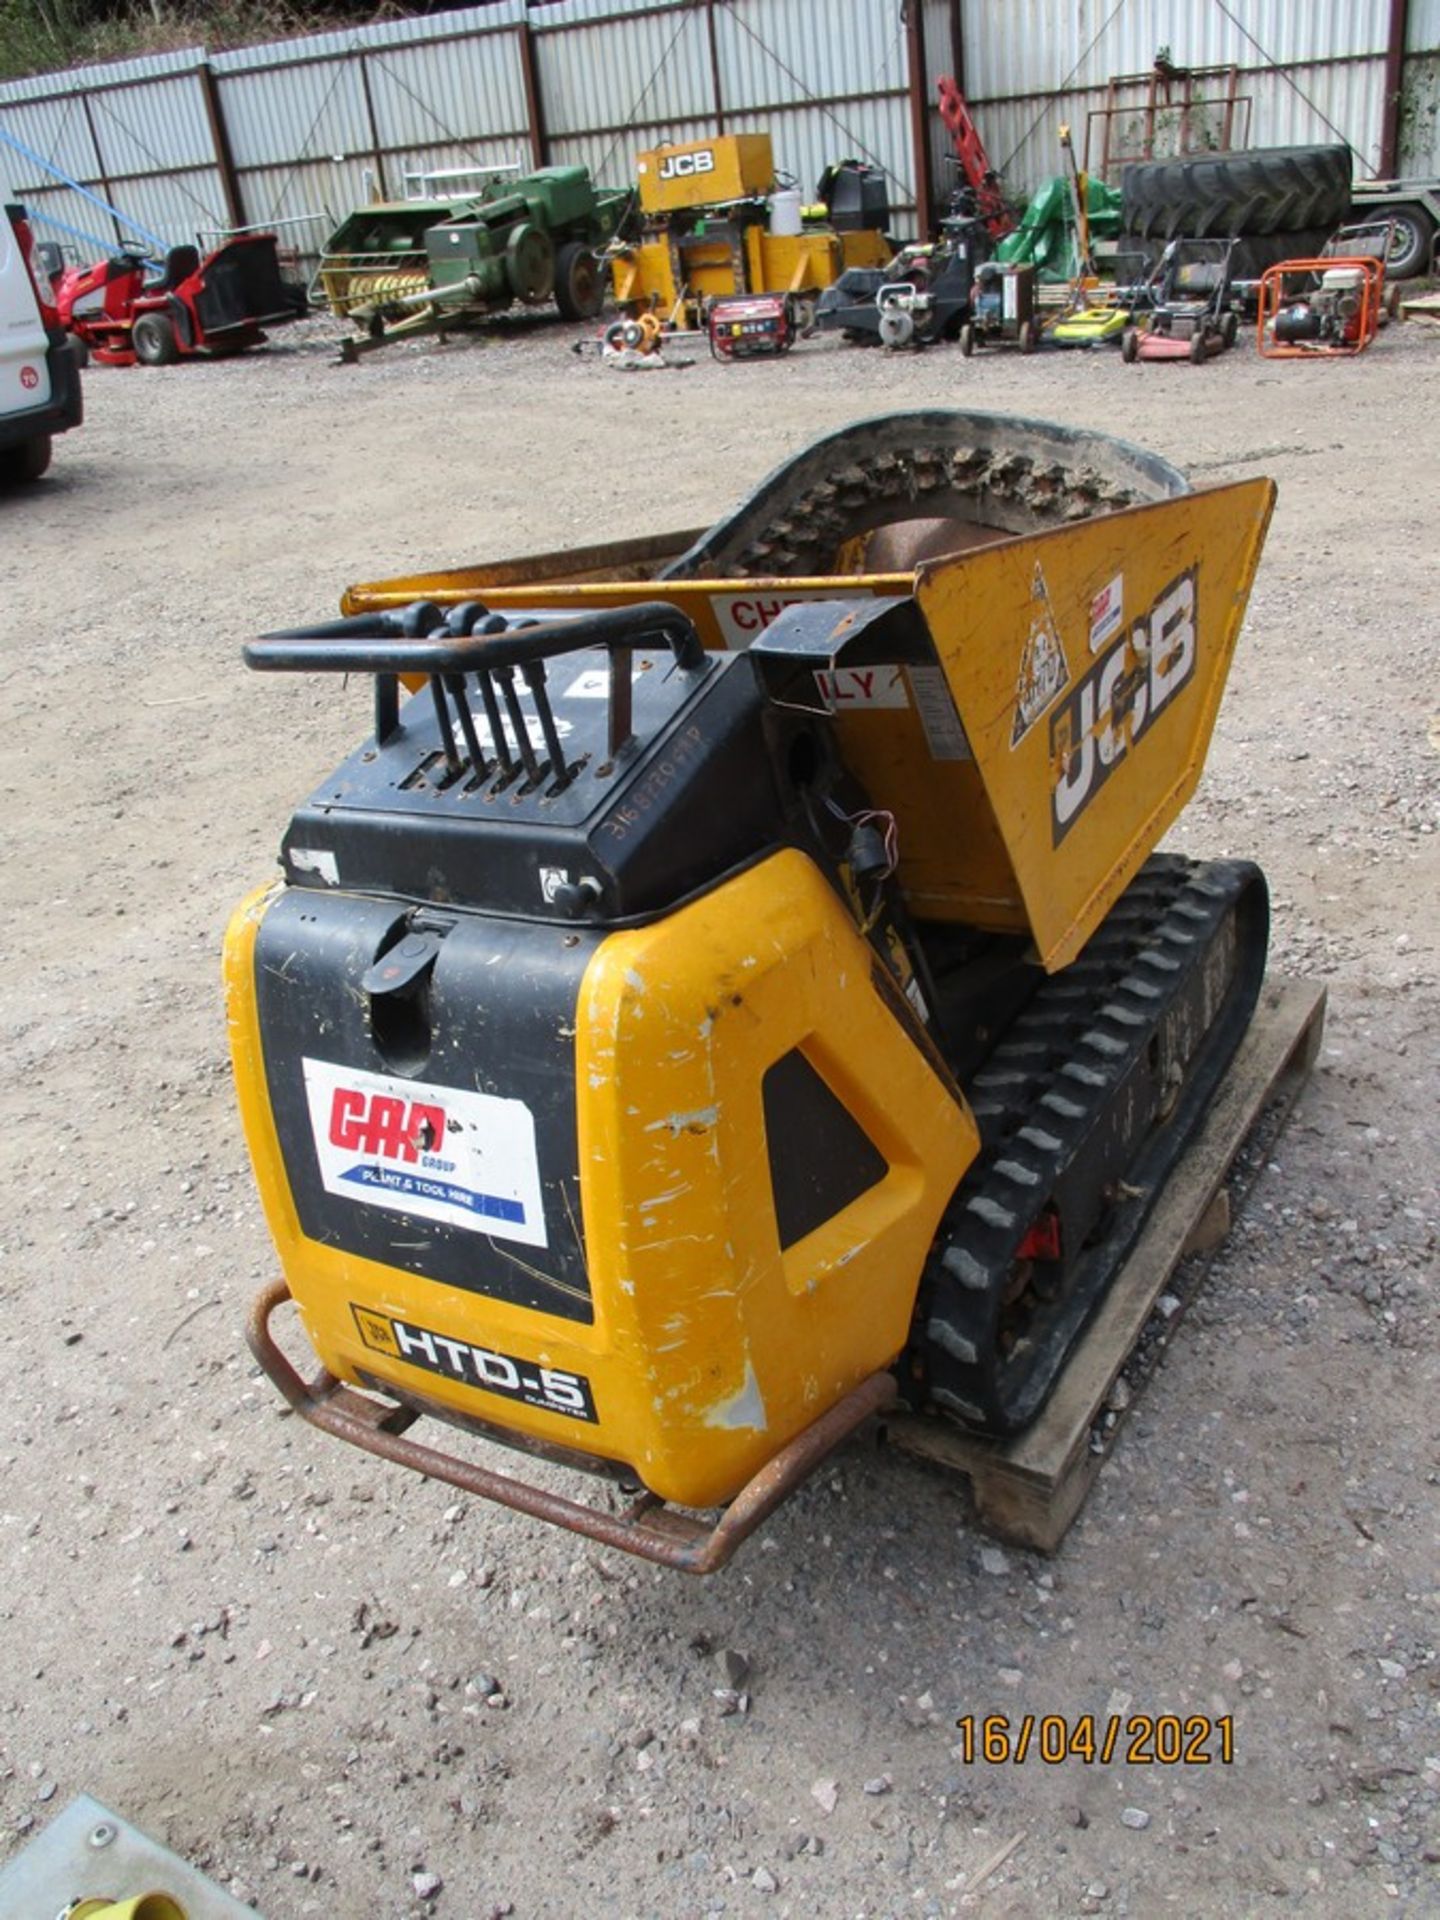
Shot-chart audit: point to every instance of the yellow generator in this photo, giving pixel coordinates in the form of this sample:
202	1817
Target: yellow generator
714	224
732	990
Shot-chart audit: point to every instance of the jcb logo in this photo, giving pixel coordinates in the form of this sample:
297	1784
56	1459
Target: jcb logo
380	1124
1119	700
680	166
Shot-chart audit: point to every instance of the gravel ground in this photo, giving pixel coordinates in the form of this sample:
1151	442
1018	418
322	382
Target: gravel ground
341	1689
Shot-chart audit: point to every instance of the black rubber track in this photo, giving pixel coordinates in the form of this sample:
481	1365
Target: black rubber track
1213	195
1084	1107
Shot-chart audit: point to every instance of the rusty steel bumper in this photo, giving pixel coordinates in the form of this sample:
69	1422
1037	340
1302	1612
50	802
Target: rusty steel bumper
647	1527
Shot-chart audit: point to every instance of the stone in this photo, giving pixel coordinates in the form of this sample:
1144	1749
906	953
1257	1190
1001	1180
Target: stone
735	1667
825	1794
426	1885
764	1881
1135	1817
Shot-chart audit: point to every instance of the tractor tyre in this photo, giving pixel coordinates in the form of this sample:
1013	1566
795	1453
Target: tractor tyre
579	282
153	338
1130	346
967	339
26	462
1409	243
1211	196
530	259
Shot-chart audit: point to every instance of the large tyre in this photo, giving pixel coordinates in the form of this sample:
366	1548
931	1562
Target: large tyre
530	259
579	282
19	465
153	338
1410	242
1253	252
1212	195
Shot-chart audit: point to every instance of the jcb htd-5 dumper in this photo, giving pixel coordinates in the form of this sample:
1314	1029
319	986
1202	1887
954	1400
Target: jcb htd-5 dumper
733	990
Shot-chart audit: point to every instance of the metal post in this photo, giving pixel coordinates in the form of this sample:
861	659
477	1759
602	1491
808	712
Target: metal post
534	101
913	14
715	66
375	152
1394	87
220	141
105	187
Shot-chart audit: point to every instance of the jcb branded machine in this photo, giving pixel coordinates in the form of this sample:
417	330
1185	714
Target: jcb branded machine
714	225
734	991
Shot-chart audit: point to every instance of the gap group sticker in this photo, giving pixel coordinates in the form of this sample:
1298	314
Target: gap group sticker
428	1152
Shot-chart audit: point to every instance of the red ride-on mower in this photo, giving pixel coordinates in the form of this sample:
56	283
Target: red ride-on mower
220	304
1191	317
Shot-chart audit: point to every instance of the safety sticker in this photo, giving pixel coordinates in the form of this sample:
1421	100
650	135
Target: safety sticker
553	1389
843	688
1107	611
1044	670
428	1152
934	702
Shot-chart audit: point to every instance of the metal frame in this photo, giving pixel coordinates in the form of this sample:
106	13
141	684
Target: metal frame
647	1527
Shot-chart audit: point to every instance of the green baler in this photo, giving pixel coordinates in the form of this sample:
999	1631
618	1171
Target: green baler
405	267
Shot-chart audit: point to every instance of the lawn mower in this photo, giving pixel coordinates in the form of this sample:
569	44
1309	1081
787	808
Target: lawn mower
732	989
1101	316
218	304
1190	314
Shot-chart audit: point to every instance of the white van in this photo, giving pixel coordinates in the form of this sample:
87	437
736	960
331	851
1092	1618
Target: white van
39	373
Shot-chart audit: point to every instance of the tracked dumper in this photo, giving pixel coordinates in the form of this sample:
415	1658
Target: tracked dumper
733	991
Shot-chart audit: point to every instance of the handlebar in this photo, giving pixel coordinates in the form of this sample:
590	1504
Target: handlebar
422	639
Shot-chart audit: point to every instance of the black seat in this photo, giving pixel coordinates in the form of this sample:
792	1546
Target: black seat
180	263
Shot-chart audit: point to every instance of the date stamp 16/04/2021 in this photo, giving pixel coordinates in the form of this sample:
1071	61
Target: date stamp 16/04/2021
1128	1739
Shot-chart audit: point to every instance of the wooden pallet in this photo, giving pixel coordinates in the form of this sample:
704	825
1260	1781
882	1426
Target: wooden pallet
1028	1490
1420	306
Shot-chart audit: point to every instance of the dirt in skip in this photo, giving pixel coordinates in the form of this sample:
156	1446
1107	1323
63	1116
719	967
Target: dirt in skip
333	1684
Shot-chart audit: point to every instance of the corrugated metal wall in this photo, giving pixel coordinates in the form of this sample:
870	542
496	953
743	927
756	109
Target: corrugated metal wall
1420	112
1031	64
612	85
319	125
303	130
137	132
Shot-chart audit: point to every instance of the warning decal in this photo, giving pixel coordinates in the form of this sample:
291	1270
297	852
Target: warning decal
1044	670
